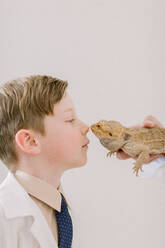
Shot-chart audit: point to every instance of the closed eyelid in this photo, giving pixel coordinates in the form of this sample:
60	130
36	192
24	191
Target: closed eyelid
70	120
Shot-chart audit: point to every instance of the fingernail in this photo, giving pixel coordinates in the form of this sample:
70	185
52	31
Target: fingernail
148	123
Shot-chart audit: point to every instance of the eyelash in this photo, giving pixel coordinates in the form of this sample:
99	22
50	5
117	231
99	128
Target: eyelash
72	120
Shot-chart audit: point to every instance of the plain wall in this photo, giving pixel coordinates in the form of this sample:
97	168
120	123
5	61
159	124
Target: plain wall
112	54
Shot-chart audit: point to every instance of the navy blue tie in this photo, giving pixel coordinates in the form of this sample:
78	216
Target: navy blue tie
65	227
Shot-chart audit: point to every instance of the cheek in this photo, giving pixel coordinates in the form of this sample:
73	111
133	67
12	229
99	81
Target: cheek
64	145
70	144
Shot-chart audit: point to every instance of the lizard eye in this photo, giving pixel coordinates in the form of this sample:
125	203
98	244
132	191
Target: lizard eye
110	134
98	125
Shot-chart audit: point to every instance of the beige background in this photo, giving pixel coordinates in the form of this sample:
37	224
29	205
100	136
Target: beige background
112	53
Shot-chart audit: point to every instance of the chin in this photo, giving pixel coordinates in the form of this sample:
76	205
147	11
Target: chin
76	163
79	164
83	163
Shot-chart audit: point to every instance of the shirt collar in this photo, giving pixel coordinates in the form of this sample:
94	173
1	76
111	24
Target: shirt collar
40	189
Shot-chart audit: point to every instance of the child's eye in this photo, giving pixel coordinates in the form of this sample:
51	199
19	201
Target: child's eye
72	120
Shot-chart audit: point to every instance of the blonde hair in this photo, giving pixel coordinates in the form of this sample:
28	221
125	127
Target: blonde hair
24	102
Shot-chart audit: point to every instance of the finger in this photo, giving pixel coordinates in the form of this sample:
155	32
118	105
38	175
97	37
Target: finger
122	155
150	117
150	121
152	158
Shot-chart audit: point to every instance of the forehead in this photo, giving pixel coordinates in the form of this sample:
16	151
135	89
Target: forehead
64	106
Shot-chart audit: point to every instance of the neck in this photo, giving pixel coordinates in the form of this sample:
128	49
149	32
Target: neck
48	173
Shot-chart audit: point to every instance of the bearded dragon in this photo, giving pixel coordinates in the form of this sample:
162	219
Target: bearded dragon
137	141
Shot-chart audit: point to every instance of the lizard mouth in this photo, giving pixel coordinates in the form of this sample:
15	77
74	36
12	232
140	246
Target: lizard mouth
96	131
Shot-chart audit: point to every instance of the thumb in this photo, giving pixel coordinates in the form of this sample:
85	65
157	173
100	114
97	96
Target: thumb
147	123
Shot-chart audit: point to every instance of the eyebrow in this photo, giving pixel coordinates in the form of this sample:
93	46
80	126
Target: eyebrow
67	110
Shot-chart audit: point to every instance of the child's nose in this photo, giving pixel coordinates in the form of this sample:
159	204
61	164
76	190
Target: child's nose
84	129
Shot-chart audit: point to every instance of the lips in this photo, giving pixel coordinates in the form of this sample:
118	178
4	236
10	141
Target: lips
86	144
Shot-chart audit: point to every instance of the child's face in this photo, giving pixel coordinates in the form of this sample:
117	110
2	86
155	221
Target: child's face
65	137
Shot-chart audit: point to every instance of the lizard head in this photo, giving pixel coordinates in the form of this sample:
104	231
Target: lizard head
110	134
107	129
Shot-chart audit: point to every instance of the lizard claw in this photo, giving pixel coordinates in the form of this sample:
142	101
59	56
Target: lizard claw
110	154
136	169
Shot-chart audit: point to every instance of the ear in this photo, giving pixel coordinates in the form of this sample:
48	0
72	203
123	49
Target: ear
27	141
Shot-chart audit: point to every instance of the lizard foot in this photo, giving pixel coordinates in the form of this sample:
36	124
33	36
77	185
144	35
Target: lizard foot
110	154
136	168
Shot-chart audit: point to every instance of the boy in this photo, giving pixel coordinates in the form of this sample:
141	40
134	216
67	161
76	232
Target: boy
41	137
